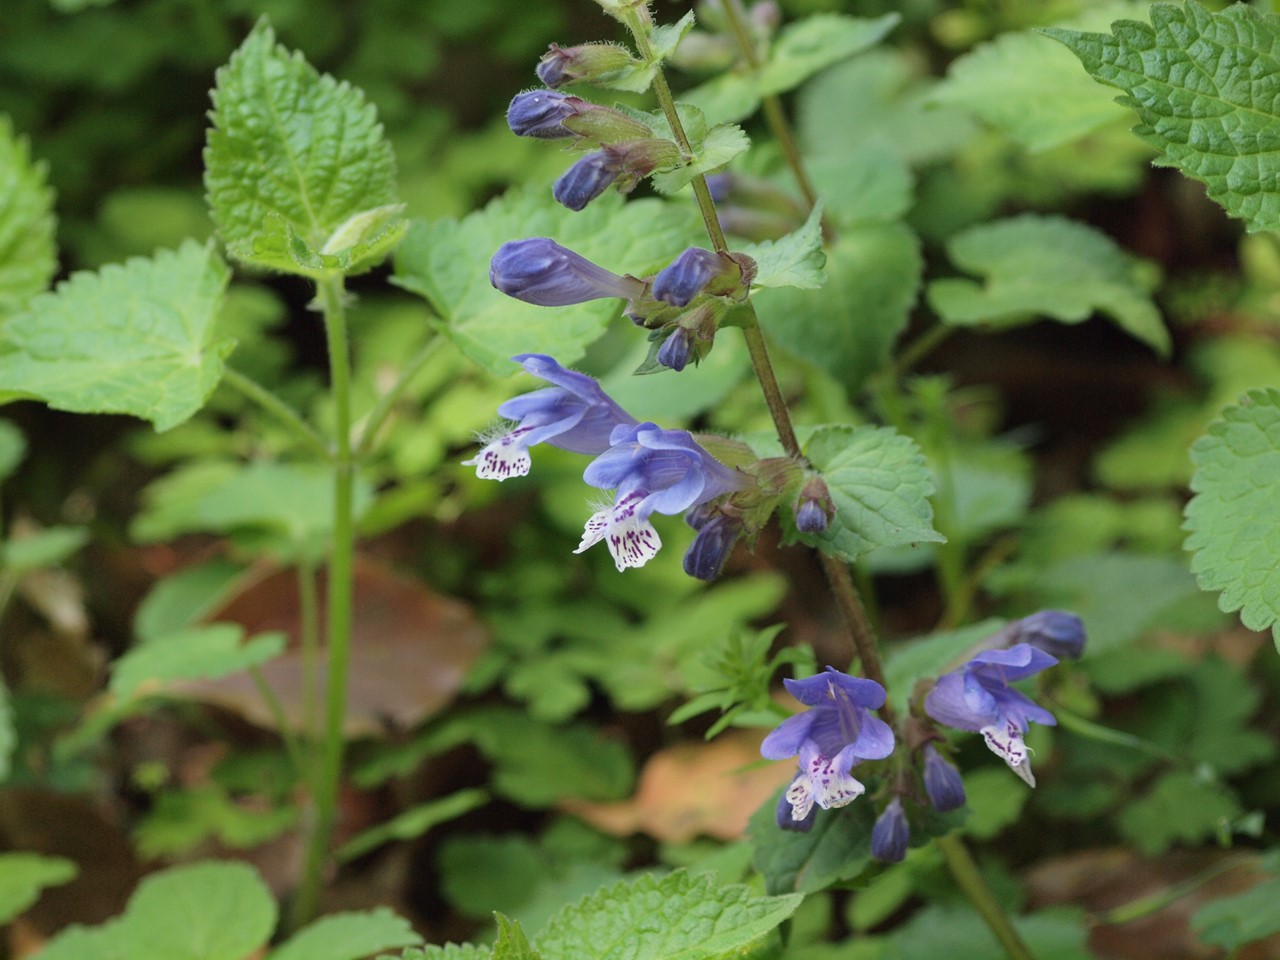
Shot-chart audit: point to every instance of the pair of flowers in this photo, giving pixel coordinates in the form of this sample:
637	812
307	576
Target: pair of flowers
839	730
652	470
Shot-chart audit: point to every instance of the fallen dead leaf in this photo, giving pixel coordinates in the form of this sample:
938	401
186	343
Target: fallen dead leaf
695	789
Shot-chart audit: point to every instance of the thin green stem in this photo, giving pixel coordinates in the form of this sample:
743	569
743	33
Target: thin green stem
969	880
774	114
340	590
386	403
920	347
1155	902
277	408
837	573
276	709
309	624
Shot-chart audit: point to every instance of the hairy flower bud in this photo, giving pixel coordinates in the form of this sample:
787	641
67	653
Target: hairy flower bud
588	62
815	509
541	272
698	271
891	834
674	352
552	115
942	782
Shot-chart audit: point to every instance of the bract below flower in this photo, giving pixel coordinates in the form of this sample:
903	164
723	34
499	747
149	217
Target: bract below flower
838	732
978	697
652	470
575	414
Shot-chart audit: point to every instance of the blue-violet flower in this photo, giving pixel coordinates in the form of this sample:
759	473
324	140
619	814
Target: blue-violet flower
978	697
674	352
686	276
575	414
891	833
652	470
942	781
837	732
1056	632
585	180
541	272
710	550
541	114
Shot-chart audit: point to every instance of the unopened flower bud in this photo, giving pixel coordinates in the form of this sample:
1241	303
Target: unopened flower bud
585	180
588	62
541	114
815	509
942	782
1056	632
541	272
674	352
891	834
698	271
707	555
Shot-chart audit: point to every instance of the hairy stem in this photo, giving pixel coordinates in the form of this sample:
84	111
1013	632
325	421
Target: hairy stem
277	408
340	589
969	880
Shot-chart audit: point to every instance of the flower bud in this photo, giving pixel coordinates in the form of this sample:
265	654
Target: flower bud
698	271
588	62
585	180
541	272
942	782
814	509
541	114
891	834
1056	632
707	555
674	352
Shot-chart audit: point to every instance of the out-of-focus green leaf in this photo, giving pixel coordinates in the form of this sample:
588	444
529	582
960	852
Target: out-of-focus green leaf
24	875
28	256
197	653
348	936
1231	922
837	848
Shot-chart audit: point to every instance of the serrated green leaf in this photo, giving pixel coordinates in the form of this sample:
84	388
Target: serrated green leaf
199	653
297	169
849	326
676	917
24	875
28	256
348	936
512	944
796	260
13	447
1032	89
711	150
447	262
880	485
837	848
412	823
1179	807
1231	922
181	820
802	49
1206	93
293	501
869	184
1046	266
134	338
46	548
1234	518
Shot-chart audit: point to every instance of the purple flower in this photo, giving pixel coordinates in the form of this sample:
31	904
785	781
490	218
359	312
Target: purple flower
585	180
541	114
891	834
541	272
686	276
942	782
574	414
837	733
652	470
978	697
1056	632
710	550
811	518
674	352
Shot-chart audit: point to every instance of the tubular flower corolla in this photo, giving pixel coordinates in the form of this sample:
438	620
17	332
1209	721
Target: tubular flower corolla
837	732
574	414
541	272
651	470
978	697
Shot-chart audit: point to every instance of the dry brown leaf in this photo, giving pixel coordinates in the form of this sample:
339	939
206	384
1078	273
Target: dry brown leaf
695	789
410	651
